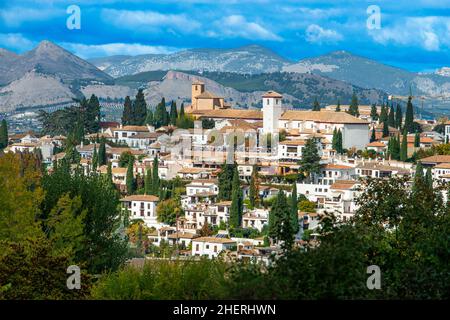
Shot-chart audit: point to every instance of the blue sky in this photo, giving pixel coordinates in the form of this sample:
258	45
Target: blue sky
414	34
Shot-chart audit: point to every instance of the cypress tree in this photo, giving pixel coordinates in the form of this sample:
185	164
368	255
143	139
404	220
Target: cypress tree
280	228
353	108
173	113
181	110
109	176
148	181
339	142
374	112
159	118
236	201
404	147
334	139
93	115
385	129
383	114
391	118
373	136
310	161
316	105
3	134
338	107
398	117
253	193
130	178
417	140
294	209
127	114
102	153
94	158
149	118
418	177
225	181
429	178
140	108
409	116
155	178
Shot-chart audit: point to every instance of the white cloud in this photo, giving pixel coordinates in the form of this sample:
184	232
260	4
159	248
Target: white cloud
431	33
149	20
16	16
236	26
109	49
317	34
16	42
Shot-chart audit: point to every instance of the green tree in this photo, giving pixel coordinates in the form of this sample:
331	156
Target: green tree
398	117
280	228
417	140
409	116
353	108
373	136
109	176
155	177
316	105
310	161
173	113
385	129
125	158
404	148
64	226
374	112
102	160
338	106
294	210
148	182
254	192
236	201
92	123
139	108
226	181
391	117
95	159
3	134
149	118
130	178
160	117
168	210
127	114
383	114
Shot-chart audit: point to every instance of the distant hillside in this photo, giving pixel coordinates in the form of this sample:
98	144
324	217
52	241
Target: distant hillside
248	59
304	87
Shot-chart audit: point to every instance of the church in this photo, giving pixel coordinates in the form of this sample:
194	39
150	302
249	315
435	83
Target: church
273	118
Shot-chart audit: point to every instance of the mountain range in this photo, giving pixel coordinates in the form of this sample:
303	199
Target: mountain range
239	74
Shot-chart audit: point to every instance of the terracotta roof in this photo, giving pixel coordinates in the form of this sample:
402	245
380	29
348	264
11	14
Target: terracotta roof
182	235
116	170
321	116
444	165
214	240
272	94
131	128
141	197
376	144
223	203
436	159
207	95
343	184
295	142
332	166
232	114
411	139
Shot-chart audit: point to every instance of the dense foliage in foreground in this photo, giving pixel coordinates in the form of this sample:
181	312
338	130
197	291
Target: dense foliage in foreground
405	233
48	222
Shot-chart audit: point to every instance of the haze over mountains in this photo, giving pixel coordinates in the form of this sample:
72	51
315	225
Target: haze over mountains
50	75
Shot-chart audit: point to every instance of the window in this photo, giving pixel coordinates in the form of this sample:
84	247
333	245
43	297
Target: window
215	248
197	247
207	246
